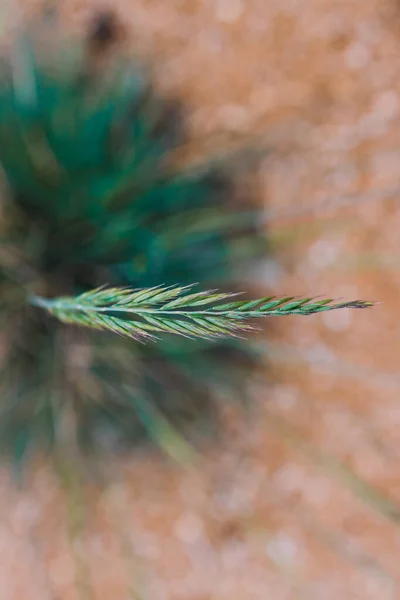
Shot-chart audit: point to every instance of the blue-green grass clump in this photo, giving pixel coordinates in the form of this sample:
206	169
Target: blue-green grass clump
101	230
92	198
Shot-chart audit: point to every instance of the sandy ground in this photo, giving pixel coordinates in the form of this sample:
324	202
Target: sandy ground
302	502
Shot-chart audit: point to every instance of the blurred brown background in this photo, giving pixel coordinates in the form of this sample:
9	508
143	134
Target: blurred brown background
302	502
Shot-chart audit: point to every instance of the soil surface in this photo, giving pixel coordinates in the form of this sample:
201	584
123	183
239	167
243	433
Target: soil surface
302	500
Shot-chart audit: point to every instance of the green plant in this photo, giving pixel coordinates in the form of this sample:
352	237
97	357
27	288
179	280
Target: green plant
138	314
92	198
